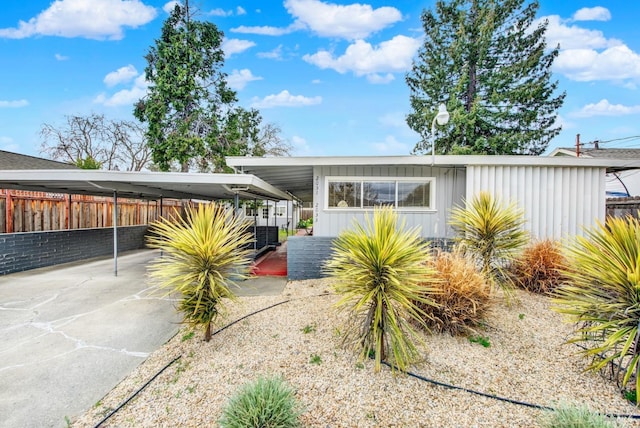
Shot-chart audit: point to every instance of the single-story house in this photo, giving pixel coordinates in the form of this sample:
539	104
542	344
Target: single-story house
560	196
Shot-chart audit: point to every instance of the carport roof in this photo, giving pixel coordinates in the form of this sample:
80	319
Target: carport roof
141	184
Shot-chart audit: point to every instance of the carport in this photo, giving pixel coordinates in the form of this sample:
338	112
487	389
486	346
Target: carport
142	185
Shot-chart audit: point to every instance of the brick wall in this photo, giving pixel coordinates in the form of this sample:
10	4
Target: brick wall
265	235
31	250
306	255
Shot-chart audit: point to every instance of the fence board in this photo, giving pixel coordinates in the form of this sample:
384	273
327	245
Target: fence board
35	211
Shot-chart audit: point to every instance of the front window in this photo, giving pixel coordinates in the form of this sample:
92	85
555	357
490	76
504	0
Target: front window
265	213
344	194
401	193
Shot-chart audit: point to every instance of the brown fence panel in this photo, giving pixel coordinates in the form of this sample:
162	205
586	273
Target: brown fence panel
22	211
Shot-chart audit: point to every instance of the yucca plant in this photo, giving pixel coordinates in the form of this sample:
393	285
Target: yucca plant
378	269
203	254
492	233
603	296
462	295
539	268
266	403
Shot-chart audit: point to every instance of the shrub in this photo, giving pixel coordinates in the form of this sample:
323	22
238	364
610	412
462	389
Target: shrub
461	294
265	403
203	255
602	296
492	233
378	269
575	417
540	267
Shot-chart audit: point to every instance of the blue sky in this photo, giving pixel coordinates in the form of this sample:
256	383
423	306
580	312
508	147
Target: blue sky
330	74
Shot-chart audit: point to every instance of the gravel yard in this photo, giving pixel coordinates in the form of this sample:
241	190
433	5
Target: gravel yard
526	361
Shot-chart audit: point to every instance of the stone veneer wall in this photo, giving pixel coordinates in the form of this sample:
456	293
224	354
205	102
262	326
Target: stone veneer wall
306	254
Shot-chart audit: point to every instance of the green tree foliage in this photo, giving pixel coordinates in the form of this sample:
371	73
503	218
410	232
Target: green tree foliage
381	273
188	93
189	110
487	61
204	254
602	297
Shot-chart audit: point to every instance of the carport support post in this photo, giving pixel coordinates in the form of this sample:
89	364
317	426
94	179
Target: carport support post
115	233
255	225
236	204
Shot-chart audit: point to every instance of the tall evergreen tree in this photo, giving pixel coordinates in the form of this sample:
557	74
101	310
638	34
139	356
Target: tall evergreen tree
488	63
188	95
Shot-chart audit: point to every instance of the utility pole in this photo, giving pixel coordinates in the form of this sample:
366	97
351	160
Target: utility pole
577	145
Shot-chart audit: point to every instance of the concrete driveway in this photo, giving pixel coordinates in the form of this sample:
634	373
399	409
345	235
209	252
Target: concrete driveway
70	333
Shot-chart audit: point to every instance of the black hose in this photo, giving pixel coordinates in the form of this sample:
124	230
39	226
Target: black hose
414	375
139	390
497	397
124	403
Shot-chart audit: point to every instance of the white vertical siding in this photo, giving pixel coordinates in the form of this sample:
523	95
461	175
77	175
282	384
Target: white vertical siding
557	201
449	191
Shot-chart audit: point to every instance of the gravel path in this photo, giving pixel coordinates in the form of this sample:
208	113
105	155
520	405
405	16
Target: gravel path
526	361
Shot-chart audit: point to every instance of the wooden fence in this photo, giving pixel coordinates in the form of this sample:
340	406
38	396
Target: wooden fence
24	211
620	207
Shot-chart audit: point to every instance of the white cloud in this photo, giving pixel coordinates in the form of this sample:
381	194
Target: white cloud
240	11
237	80
380	79
393	120
285	99
391	146
584	65
61	57
169	6
121	75
265	30
274	54
98	19
234	46
572	36
300	146
587	55
316	81
7	144
13	104
362	58
605	108
354	21
125	96
220	12
597	13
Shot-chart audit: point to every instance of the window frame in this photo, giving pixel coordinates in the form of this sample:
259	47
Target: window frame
362	180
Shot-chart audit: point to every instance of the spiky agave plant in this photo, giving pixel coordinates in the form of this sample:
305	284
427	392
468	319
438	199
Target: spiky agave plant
204	254
492	233
602	296
379	270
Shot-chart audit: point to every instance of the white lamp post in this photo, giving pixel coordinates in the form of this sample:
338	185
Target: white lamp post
442	118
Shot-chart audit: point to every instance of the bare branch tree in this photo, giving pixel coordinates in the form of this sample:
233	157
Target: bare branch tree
110	144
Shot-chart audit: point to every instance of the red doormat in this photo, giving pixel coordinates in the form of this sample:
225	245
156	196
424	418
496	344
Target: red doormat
274	263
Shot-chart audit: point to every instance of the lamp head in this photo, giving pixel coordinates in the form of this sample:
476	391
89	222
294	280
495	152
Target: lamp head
443	115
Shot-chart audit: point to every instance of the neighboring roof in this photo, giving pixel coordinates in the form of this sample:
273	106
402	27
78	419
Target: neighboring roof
295	174
12	161
598	153
142	184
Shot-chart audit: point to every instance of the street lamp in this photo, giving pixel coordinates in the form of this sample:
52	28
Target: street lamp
442	118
